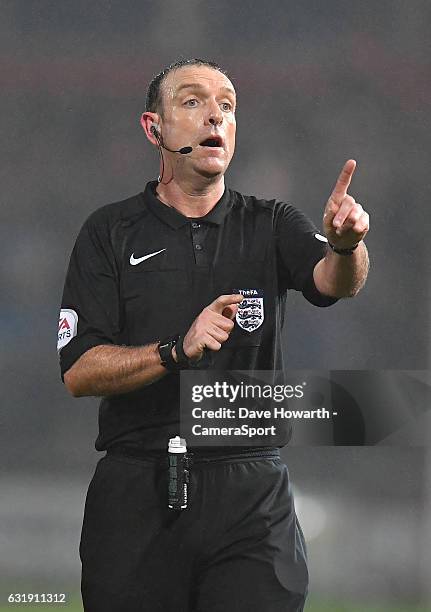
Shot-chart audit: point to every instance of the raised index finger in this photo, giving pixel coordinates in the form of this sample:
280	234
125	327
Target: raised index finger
343	181
222	301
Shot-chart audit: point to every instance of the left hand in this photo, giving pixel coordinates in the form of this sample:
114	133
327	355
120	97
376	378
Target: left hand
345	222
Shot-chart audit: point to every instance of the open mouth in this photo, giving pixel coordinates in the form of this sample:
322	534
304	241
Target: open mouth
213	141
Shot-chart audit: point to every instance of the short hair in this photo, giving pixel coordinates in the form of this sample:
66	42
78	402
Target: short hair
153	102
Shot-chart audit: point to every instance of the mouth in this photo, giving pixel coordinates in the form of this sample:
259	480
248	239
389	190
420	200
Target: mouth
212	141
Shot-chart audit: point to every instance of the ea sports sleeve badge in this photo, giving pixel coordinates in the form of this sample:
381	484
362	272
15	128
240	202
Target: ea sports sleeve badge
67	327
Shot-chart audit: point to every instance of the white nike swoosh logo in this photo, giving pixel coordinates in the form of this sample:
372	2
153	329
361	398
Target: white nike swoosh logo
135	262
321	238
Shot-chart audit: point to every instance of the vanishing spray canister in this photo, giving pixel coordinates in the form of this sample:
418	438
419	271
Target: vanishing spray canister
178	477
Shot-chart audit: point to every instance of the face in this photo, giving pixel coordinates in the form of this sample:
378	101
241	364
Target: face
199	110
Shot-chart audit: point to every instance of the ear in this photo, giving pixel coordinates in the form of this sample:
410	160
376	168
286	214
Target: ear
147	121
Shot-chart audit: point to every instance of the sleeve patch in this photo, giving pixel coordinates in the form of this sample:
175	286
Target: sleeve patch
67	327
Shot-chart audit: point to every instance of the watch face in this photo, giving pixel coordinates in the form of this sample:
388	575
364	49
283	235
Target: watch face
165	352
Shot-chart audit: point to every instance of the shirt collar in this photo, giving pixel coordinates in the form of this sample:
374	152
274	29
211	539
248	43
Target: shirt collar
174	218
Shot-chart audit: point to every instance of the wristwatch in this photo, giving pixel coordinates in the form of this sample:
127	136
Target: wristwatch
347	252
184	362
191	364
165	351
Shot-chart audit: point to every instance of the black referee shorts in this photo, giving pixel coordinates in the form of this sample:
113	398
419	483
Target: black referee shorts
238	547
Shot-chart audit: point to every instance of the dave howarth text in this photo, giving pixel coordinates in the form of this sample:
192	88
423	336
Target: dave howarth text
245	413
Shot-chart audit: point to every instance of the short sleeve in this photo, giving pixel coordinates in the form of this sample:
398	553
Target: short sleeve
299	247
90	312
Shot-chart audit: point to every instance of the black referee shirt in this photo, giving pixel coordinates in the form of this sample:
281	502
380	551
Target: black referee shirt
140	271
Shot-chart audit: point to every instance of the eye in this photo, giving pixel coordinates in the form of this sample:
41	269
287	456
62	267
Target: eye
192	102
226	106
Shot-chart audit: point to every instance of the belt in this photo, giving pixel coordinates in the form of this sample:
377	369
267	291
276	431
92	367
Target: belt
199	456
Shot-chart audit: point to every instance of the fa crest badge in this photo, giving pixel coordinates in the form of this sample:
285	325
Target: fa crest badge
250	313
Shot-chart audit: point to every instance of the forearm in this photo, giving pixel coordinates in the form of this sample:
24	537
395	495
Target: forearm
111	370
342	276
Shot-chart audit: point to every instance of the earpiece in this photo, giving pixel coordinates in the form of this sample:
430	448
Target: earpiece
155	130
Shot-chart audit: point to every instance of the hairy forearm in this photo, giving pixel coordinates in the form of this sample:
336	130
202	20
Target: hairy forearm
111	370
341	276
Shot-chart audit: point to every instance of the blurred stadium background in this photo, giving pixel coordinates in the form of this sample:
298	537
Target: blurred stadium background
317	83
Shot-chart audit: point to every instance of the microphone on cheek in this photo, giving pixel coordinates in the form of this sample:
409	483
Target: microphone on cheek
185	150
158	137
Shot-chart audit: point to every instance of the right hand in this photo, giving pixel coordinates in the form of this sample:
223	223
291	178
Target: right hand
212	327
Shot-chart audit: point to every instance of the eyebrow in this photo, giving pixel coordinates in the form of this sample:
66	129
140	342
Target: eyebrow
199	86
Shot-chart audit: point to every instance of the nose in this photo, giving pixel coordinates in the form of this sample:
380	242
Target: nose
216	120
215	115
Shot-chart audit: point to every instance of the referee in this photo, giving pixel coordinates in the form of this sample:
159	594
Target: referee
154	285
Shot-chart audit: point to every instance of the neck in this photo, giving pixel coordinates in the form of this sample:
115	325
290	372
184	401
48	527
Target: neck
191	200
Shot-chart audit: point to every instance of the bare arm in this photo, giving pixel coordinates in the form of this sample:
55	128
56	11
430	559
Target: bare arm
110	370
341	276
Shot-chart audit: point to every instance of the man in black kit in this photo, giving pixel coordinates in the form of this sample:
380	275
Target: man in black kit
154	286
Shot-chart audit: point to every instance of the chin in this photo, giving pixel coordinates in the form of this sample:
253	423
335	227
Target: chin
208	174
211	171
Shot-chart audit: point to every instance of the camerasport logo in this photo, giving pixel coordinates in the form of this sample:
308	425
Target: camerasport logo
250	313
67	327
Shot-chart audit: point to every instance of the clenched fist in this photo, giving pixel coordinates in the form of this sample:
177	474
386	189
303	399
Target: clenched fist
345	222
212	326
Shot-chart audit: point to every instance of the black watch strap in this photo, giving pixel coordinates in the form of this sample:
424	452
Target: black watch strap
191	364
343	251
165	351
